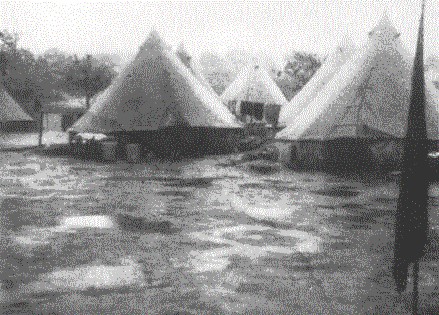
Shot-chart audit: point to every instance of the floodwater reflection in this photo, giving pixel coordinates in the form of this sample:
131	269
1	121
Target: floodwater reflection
195	237
128	273
35	236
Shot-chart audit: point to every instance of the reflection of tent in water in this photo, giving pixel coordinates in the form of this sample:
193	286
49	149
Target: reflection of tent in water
318	82
362	112
12	117
157	101
254	94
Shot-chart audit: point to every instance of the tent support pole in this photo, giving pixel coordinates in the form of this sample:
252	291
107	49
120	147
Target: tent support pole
415	300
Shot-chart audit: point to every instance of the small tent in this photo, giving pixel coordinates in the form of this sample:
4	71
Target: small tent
157	94
254	94
318	82
12	117
363	106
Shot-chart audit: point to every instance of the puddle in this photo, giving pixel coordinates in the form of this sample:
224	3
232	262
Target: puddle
128	273
92	221
136	224
339	191
174	193
191	182
41	236
278	210
307	243
218	259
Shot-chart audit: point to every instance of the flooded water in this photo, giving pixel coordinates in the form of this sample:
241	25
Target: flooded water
198	237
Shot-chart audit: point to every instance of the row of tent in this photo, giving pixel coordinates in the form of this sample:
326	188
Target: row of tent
356	93
360	93
162	88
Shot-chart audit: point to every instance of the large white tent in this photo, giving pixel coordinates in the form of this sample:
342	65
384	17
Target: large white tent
154	91
318	82
369	95
10	111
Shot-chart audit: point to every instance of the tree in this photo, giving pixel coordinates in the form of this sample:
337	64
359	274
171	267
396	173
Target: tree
87	77
297	72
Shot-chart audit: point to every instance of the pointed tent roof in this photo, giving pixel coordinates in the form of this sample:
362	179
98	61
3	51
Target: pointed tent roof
384	32
370	93
319	80
254	84
155	91
9	108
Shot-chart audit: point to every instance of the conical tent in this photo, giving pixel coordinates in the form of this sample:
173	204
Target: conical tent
155	91
318	82
369	95
254	84
9	109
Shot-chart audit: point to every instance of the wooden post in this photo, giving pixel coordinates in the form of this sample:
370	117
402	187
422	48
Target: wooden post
39	111
41	127
415	300
87	92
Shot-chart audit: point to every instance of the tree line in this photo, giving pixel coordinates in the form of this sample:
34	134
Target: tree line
35	80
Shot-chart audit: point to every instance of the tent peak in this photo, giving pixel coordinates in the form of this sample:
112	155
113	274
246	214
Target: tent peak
346	43
384	31
154	39
181	48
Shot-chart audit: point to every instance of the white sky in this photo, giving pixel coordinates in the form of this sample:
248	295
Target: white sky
278	28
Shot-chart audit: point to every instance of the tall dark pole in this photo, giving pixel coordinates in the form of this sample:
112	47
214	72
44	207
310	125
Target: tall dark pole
88	82
39	110
411	228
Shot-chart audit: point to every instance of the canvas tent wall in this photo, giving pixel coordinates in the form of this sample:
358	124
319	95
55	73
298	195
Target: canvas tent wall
364	105
318	82
156	91
12	117
254	85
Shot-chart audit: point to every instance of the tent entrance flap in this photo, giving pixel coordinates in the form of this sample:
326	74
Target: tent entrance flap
252	109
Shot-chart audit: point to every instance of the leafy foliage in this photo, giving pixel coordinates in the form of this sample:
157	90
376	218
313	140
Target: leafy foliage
297	72
35	80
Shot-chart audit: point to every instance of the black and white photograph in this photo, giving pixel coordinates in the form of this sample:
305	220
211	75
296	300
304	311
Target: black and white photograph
219	157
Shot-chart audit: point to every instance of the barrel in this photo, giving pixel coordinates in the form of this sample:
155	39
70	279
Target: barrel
133	152
109	151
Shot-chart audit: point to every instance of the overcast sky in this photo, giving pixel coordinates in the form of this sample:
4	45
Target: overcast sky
120	27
